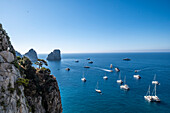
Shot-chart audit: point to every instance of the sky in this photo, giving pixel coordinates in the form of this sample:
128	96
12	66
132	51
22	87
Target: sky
87	26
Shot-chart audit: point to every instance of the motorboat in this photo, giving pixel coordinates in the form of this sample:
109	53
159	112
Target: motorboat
105	77
91	62
68	69
117	69
137	76
76	61
126	59
88	58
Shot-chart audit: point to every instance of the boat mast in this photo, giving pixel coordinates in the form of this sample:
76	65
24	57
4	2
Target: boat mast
148	92
155	89
154	77
120	76
125	79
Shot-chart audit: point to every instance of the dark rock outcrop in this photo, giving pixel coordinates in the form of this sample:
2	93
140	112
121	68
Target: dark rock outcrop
18	54
24	89
32	55
55	55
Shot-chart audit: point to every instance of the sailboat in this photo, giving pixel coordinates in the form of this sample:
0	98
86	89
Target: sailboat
83	78
148	97
125	86
105	77
155	97
97	89
111	66
119	81
154	81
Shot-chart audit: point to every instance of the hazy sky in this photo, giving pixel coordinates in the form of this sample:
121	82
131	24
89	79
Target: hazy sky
85	26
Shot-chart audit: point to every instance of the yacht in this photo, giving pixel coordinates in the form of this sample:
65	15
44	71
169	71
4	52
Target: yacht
68	69
126	59
105	77
137	76
154	81
83	78
97	89
117	69
125	86
119	81
76	61
111	66
91	62
155	97
86	67
148	97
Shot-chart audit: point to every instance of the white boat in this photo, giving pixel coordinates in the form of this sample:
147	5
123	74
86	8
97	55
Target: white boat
105	77
111	66
125	86
155	97
137	76
83	78
117	69
148	97
154	81
119	81
97	89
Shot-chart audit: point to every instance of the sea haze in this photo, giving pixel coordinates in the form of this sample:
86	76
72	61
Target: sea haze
79	97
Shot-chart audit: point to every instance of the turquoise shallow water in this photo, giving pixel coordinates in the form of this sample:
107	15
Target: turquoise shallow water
79	97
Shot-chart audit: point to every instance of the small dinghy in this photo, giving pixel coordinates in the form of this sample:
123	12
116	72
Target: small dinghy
88	58
76	61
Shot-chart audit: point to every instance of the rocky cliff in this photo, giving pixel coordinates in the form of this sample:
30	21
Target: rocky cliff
55	55
32	55
24	89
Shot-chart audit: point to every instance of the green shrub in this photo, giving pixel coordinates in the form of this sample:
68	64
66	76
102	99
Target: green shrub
22	81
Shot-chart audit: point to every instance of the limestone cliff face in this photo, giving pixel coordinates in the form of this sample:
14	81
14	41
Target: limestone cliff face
32	55
12	98
24	89
55	55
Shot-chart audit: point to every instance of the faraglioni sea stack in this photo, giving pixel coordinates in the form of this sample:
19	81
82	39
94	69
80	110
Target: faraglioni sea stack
32	55
55	55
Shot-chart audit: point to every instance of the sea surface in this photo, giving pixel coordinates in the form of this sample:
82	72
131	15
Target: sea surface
80	97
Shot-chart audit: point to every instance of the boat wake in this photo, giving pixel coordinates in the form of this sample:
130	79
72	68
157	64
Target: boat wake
107	70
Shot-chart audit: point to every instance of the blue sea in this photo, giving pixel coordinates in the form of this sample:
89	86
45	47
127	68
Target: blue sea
80	97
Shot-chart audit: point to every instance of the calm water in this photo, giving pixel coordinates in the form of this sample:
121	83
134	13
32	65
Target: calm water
79	97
